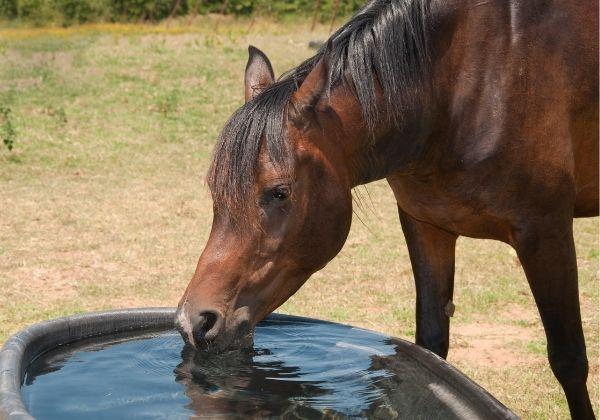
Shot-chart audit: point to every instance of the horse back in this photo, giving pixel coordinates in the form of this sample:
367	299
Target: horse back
515	135
523	79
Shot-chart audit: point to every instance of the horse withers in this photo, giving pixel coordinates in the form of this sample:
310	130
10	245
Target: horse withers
481	115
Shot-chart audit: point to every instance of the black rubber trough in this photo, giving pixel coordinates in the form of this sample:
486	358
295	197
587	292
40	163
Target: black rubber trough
450	392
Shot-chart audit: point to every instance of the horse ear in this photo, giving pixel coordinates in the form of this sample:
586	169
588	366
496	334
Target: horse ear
259	73
312	89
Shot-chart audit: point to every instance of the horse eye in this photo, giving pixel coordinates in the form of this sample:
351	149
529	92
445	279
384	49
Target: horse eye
275	195
280	193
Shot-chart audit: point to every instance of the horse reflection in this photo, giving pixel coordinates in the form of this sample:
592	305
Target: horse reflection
240	384
236	383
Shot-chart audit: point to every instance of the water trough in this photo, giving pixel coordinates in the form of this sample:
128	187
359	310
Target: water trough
130	363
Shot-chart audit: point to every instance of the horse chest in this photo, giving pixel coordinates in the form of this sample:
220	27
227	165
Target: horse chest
454	204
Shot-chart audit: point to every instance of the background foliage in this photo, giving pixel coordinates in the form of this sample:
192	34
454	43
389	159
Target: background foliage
68	12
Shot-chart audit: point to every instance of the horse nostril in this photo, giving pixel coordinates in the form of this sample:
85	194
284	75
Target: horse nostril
207	327
210	318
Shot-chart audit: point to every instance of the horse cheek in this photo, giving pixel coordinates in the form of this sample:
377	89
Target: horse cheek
330	225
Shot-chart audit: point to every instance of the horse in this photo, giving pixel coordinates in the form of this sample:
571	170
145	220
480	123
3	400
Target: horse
481	115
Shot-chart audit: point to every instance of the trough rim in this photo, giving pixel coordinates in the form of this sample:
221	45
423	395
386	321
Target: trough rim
21	349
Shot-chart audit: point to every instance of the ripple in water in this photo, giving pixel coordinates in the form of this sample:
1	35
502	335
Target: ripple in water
297	369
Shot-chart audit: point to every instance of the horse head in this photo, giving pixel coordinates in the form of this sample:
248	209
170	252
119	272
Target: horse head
282	206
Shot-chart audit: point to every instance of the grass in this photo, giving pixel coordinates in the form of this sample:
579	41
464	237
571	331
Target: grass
103	203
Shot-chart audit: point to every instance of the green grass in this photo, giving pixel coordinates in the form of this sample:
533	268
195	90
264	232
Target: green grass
103	203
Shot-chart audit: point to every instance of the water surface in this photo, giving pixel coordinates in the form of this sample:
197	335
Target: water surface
297	369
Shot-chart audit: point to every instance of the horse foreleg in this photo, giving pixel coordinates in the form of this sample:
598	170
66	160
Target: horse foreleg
547	254
431	253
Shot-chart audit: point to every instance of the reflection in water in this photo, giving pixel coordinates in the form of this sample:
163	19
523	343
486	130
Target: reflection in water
297	369
232	383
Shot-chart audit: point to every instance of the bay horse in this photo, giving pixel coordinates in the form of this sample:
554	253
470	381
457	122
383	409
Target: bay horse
483	118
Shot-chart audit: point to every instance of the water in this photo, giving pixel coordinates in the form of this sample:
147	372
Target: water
297	369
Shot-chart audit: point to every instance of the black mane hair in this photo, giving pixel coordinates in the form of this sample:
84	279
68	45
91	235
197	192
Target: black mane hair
384	43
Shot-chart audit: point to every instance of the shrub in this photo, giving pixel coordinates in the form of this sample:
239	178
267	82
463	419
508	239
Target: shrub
286	7
80	11
136	10
9	9
69	12
38	12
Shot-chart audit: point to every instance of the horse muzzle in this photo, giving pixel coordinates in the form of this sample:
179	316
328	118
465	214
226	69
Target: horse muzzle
209	329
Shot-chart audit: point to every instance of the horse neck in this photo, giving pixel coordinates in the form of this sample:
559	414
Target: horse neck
391	146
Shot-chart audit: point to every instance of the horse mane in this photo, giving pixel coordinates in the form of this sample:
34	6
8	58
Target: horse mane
384	43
